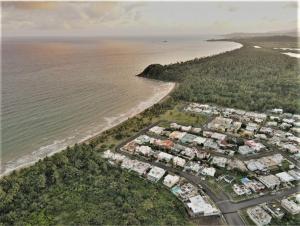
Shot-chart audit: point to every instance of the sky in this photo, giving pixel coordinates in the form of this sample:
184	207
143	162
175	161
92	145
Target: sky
145	18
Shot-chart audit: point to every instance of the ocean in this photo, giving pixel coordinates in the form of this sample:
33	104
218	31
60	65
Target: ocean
59	91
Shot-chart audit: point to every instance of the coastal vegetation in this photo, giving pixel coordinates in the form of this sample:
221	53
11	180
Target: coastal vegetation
247	78
77	187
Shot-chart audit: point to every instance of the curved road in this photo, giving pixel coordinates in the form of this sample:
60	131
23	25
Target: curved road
229	209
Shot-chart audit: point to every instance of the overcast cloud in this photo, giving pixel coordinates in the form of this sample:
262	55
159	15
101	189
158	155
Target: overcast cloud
146	18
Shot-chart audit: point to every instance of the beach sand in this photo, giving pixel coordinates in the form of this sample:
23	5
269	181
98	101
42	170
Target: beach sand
163	90
161	93
296	55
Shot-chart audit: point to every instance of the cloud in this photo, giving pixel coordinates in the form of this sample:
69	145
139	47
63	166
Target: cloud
229	7
30	5
293	5
138	17
232	8
98	9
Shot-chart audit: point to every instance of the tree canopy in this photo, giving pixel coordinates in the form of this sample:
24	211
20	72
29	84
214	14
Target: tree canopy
246	78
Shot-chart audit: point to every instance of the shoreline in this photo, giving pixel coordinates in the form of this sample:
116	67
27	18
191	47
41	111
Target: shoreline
144	105
174	85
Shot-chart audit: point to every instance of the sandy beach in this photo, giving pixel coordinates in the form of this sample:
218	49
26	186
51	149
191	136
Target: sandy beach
162	90
160	94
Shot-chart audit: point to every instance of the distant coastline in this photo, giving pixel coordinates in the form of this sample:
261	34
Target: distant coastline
158	97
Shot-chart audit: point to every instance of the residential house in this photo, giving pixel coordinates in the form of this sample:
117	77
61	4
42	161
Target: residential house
198	205
177	135
295	174
285	177
259	216
245	150
177	161
188	138
229	179
254	145
144	150
155	174
140	167
241	190
143	139
193	167
157	130
278	111
270	181
163	156
200	140
219	161
292	207
274	209
171	180
208	171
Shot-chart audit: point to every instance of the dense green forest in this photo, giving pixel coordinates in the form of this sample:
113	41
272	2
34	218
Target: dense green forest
78	187
248	78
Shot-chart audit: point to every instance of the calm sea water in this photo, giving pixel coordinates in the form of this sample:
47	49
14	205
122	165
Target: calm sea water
58	91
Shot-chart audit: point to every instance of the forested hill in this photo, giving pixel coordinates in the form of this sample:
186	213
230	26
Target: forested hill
248	78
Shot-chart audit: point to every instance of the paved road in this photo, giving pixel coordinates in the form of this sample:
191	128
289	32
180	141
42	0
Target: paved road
233	219
229	209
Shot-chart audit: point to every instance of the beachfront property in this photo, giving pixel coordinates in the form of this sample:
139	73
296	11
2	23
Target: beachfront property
202	108
183	128
143	139
157	130
113	156
259	216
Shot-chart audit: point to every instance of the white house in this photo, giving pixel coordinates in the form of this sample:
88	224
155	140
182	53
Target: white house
155	174
209	171
269	181
170	180
177	161
259	216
